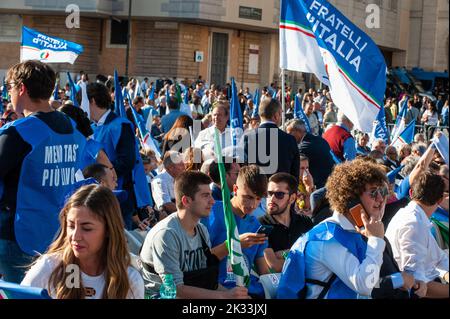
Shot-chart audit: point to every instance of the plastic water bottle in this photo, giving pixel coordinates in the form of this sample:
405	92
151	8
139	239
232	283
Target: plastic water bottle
168	290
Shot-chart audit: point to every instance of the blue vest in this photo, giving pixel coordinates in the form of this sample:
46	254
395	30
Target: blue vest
108	135
293	279
91	152
47	173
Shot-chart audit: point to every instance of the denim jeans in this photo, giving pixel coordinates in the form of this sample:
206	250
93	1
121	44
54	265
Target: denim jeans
13	261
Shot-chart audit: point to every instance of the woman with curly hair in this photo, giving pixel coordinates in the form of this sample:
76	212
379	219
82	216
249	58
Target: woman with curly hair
89	259
336	259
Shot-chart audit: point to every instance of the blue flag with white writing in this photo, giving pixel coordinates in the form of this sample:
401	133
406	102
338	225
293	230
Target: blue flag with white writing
381	130
47	49
316	38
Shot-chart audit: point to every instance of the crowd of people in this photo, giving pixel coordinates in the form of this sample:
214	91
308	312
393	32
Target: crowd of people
321	209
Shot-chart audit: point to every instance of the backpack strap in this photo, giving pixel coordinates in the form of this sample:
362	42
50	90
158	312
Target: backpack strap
326	285
210	257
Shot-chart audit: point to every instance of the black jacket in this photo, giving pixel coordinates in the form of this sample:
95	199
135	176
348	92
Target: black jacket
285	156
388	268
320	161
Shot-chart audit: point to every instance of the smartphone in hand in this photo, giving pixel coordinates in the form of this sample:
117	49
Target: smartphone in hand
265	229
356	209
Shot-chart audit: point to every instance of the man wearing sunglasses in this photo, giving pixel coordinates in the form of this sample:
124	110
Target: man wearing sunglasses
287	225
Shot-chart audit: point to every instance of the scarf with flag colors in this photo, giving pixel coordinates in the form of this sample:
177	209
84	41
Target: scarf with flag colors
316	38
235	254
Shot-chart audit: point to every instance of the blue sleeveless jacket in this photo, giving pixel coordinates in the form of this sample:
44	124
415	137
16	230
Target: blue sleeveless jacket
91	152
293	279
108	135
47	173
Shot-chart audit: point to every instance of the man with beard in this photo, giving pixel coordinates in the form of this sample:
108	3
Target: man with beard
287	226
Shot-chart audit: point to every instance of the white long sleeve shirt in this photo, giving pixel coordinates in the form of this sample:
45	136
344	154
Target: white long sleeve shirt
414	246
327	257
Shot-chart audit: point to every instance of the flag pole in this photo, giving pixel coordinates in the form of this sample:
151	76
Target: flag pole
128	40
283	100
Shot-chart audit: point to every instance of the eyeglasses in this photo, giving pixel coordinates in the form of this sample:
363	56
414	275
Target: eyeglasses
278	195
383	191
8	86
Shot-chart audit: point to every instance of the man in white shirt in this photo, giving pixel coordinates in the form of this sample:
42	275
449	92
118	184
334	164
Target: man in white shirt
312	118
205	139
163	184
144	85
414	247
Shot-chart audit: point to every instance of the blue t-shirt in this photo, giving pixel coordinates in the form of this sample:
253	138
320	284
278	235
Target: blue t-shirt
218	234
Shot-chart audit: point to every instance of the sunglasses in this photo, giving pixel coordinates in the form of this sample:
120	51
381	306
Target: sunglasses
278	195
383	191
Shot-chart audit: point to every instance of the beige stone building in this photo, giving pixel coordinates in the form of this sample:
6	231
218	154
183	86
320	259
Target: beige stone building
213	38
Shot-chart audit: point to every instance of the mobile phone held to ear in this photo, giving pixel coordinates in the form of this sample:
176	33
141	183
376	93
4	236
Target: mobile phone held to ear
265	229
355	209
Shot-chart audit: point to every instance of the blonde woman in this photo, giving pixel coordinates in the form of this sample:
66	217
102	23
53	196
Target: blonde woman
89	259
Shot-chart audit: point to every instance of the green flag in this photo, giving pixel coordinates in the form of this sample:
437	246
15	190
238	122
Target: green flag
235	255
178	94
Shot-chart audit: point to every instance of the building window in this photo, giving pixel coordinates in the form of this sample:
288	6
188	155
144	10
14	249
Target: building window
119	32
250	13
394	5
10	28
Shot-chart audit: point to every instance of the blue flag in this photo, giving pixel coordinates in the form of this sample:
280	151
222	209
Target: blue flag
119	106
138	119
405	137
300	114
138	91
392	174
47	49
186	95
56	92
73	91
152	93
5	95
317	38
167	99
9	290
256	101
381	130
236	121
400	121
274	95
